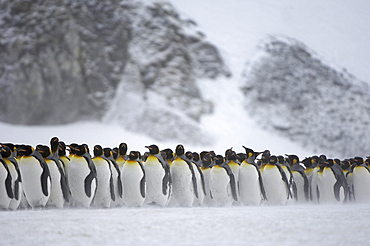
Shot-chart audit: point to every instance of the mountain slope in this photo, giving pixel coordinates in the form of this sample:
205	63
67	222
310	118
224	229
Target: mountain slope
291	91
65	61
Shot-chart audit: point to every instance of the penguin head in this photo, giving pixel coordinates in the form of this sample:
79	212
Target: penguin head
153	149
5	151
167	154
54	143
24	150
265	156
281	159
367	161
81	149
307	162
115	153
180	150
206	161
230	155
134	155
228	151
219	159
43	150
98	150
345	165
108	153
273	160
314	160
249	152
322	158
72	147
11	146
61	148
189	155
195	156
292	159
241	157
122	149
359	160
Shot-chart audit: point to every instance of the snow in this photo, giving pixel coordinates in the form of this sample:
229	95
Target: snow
337	30
267	225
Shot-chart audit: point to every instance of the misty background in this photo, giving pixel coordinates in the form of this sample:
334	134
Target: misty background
260	74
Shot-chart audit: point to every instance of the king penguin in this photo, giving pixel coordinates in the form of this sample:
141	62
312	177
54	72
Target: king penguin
81	176
133	176
232	161
193	157
331	184
207	163
36	178
59	192
158	178
184	183
6	190
283	162
275	182
360	181
121	155
311	165
7	154
105	188
222	183
251	188
300	178
116	178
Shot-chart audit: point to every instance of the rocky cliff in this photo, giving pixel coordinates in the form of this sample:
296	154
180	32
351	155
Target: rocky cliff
63	61
292	91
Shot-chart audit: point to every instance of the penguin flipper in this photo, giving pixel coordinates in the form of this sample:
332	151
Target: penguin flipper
285	179
119	180
111	187
63	179
88	181
142	181
202	180
19	178
232	182
341	180
8	181
193	178
262	187
44	178
166	181
306	186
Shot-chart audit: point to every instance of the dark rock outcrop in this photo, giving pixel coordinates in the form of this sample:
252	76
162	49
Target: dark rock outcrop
64	61
290	90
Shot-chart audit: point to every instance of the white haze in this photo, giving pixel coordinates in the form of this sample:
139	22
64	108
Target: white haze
338	31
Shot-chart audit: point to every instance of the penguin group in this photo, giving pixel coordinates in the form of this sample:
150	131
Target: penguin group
46	176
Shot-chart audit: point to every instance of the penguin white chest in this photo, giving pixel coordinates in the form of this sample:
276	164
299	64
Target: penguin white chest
56	195
4	198
325	183
361	184
220	186
154	174
132	176
103	190
275	188
78	170
182	186
31	171
249	187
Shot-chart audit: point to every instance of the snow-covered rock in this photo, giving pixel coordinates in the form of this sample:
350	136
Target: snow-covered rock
291	90
74	60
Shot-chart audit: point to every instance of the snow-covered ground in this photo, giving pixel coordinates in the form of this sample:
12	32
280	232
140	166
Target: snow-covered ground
336	30
287	225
